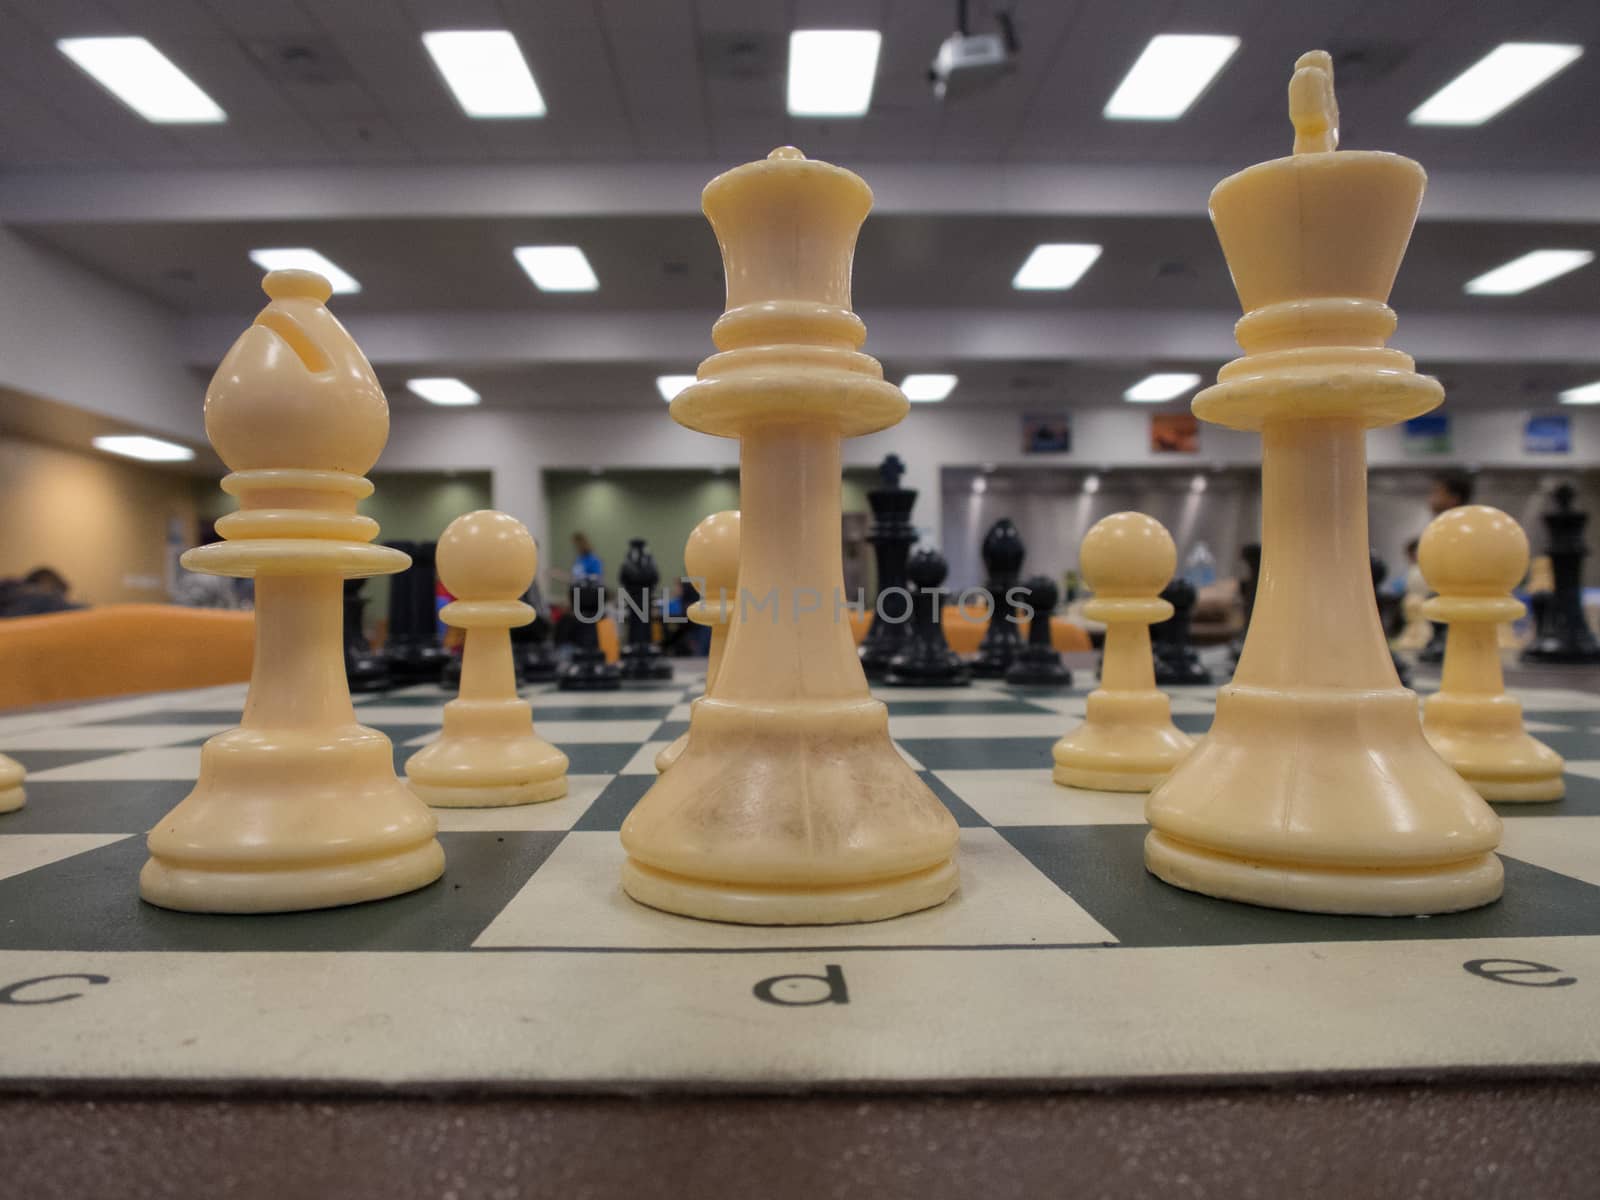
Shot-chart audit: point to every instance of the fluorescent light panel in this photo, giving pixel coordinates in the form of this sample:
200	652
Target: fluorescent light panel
1588	393
303	258
831	71
486	71
557	268
923	389
670	385
147	449
1529	271
1055	266
1494	83
1163	385
442	390
144	79
1169	76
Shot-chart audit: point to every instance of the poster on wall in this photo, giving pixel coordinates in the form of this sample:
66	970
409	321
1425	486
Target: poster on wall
1174	433
1550	434
1046	433
1427	434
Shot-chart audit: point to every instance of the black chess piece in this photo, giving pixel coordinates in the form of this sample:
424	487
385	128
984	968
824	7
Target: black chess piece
1380	572
926	660
412	651
1433	652
1003	553
1250	556
1563	636
531	644
1038	663
891	536
1175	659
587	670
641	658
450	673
365	670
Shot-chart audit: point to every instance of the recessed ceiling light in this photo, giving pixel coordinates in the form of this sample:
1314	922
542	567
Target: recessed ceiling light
148	449
303	258
670	385
486	71
923	389
1529	271
443	390
980	485
1092	484
557	268
831	71
144	79
1055	266
1169	76
1588	393
1197	484
1164	385
1494	83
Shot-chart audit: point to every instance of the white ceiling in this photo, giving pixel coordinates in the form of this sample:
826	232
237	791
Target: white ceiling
361	152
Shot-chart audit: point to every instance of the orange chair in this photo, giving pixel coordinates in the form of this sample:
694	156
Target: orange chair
121	648
964	632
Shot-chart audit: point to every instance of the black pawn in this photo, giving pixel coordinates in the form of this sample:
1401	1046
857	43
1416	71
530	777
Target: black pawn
450	676
1175	660
641	657
365	670
1250	555
926	660
1562	635
1038	663
891	536
412	651
587	670
1380	572
1003	553
531	645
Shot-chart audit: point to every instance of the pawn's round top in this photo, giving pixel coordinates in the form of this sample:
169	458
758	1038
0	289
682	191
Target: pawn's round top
1042	593
927	568
1127	554
1473	550
712	552
487	555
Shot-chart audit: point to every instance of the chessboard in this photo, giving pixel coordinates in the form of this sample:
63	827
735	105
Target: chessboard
1060	962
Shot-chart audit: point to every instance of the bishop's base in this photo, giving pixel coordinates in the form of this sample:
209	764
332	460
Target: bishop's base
12	798
747	904
273	888
1350	891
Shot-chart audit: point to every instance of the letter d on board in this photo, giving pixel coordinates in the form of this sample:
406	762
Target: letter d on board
802	991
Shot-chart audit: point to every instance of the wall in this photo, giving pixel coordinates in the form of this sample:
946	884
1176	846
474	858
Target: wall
100	521
518	448
69	335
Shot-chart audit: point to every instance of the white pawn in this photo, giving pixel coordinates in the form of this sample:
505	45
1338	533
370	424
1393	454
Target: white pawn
487	755
1473	556
12	796
712	557
1128	742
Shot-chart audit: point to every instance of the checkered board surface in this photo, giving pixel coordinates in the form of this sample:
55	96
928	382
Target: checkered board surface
1060	961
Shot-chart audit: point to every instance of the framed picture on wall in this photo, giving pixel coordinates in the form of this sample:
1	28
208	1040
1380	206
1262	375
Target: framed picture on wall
1550	434
1427	434
1174	433
1046	433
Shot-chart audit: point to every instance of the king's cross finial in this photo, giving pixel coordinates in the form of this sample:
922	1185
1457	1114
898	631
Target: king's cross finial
890	470
1313	107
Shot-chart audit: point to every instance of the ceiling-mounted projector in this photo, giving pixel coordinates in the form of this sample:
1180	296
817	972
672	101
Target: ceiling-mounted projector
969	61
